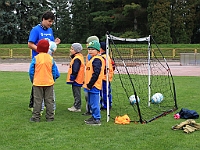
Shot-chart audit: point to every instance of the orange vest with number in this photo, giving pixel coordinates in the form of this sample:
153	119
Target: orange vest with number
43	70
89	71
80	77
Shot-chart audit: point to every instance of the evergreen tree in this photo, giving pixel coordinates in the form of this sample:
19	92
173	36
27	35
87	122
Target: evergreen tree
62	25
121	18
80	21
183	18
196	32
159	13
29	14
8	22
101	18
174	21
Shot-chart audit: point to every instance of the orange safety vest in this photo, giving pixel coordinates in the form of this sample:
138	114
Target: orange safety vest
111	72
89	71
80	77
43	70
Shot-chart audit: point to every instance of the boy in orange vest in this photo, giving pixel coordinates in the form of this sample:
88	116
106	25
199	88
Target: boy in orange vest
43	74
104	91
75	75
94	73
88	57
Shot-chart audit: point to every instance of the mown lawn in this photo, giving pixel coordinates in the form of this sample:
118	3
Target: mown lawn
69	131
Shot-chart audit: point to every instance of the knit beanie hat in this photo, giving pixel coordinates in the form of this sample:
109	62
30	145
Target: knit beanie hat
92	38
103	45
77	47
94	44
43	46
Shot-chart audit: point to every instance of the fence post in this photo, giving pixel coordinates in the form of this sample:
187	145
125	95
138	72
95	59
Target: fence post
11	53
131	53
152	53
173	53
195	50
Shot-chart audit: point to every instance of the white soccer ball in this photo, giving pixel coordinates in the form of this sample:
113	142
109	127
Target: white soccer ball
132	99
52	46
157	98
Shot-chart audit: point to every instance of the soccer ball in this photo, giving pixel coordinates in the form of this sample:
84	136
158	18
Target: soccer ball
157	98
133	100
52	46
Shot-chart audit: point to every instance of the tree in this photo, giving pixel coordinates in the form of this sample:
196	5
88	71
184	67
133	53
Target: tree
121	18
80	21
196	32
159	14
8	22
62	25
29	14
183	18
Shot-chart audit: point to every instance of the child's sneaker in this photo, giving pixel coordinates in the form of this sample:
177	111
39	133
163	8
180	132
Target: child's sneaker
93	122
90	119
34	120
41	112
87	114
30	108
73	109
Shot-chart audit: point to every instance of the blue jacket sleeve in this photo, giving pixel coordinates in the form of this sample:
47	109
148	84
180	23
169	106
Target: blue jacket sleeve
75	69
32	70
55	71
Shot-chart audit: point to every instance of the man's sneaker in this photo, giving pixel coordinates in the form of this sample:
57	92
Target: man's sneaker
73	109
94	122
90	119
30	108
87	114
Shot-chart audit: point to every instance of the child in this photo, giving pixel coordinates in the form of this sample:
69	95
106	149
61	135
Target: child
42	74
104	83
75	75
51	52
88	57
93	82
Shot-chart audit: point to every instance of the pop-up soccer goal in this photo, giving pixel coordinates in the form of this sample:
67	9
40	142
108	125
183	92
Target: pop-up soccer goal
140	72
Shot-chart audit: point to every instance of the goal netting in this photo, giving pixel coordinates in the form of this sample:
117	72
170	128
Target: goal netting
142	71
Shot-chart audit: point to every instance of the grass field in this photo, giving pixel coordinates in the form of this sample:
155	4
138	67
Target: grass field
69	131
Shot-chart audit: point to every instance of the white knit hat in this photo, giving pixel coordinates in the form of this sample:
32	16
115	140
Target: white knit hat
92	38
77	47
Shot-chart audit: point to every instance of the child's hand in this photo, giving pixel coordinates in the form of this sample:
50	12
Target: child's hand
57	41
88	87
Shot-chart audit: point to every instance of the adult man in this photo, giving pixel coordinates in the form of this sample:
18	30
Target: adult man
41	31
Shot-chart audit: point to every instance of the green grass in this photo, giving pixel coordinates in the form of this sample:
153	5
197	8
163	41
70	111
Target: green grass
69	131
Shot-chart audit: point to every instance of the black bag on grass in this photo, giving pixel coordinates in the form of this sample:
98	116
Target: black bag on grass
188	114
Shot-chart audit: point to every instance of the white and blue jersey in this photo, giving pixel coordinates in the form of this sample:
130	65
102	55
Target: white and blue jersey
38	33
